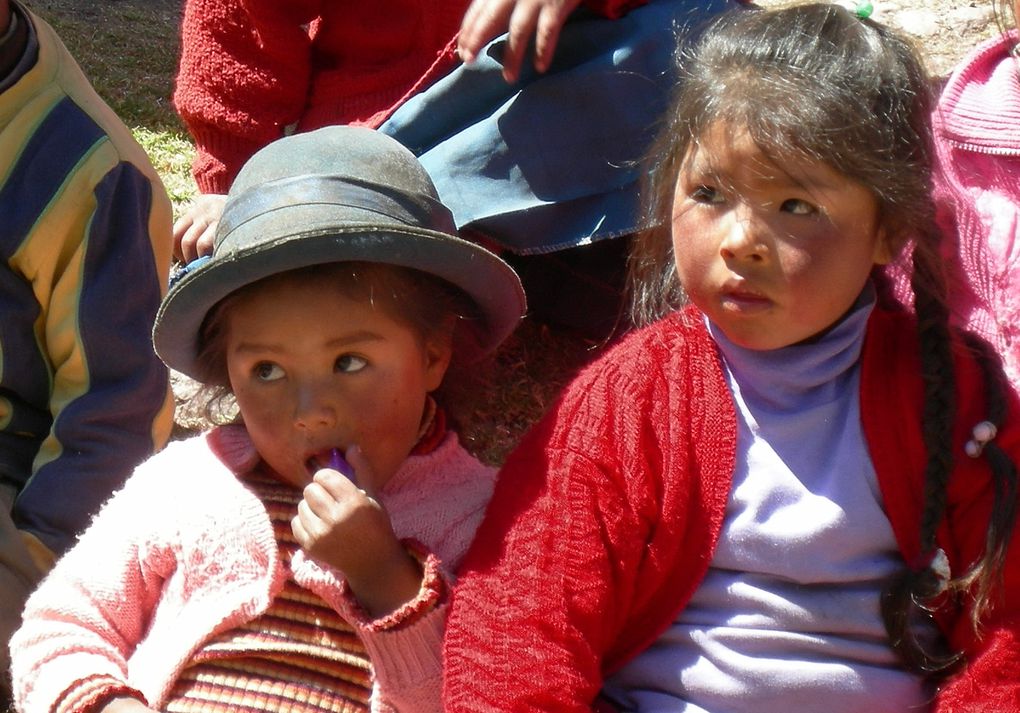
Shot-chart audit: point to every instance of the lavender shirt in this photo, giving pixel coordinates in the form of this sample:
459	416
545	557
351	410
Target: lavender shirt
787	618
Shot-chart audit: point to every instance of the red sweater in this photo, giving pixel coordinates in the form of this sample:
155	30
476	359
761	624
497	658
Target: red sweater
605	519
251	68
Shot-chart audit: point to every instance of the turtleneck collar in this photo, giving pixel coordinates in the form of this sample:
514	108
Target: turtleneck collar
801	375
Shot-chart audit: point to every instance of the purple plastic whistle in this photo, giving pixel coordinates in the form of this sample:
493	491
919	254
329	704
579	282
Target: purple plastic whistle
339	463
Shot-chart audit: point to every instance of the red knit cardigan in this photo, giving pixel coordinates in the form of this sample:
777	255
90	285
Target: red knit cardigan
251	68
605	519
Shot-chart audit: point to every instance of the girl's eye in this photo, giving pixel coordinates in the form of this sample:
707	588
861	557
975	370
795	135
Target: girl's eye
267	371
349	364
798	207
706	194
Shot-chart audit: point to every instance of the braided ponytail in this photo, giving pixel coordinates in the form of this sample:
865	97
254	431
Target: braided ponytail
914	591
985	575
922	588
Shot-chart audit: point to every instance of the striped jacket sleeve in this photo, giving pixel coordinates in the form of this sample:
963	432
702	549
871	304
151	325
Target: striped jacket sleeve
85	236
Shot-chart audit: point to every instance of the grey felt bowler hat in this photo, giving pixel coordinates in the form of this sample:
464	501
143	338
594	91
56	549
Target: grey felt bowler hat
333	195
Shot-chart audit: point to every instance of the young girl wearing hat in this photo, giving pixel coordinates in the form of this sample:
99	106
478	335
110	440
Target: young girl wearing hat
299	559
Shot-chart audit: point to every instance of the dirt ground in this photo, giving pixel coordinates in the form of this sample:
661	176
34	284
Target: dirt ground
945	29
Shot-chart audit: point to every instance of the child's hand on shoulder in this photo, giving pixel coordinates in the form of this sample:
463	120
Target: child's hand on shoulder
486	19
343	526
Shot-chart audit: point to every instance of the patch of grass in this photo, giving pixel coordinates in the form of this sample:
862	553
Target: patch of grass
128	49
527	374
171	153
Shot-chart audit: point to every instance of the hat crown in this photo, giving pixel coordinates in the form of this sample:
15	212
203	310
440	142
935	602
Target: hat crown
364	179
336	194
345	151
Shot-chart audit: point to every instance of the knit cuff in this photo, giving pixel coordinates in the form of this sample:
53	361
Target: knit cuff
218	158
407	663
432	592
613	9
91	694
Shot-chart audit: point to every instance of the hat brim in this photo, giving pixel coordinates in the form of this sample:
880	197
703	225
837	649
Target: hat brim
484	277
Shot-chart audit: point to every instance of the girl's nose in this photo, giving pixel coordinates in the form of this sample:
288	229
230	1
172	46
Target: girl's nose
743	241
314	409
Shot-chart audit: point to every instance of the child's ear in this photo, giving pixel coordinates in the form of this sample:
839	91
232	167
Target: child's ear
888	245
438	353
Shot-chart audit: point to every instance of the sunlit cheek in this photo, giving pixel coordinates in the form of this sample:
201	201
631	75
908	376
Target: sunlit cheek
258	409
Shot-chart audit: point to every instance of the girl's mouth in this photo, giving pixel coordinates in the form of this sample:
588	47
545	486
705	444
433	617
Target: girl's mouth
740	298
333	459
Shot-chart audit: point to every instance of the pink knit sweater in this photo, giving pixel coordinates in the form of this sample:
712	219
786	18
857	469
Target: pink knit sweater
185	551
977	187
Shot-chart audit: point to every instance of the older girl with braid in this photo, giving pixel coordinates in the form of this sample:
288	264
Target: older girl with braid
786	492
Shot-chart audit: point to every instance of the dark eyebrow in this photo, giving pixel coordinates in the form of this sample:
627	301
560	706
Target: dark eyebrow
358	337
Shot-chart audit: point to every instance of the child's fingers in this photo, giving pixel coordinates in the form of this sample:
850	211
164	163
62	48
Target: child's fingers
297	526
547	33
366	478
327	487
195	229
483	20
523	21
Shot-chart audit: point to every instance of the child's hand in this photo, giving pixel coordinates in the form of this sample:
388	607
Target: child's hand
485	19
345	527
194	231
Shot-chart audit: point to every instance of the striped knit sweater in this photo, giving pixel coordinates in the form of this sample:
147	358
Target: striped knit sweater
298	656
186	552
85	243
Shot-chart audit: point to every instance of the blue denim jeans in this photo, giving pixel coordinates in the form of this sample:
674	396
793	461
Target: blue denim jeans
552	161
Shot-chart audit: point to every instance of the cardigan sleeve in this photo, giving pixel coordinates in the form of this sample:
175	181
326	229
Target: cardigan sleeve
105	239
404	646
990	678
244	75
538	601
84	621
613	9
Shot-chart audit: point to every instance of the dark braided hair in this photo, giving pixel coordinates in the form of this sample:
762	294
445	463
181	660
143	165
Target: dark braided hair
818	83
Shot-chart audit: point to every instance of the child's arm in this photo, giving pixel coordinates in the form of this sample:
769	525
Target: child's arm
109	405
244	74
394	592
522	19
405	644
990	677
87	616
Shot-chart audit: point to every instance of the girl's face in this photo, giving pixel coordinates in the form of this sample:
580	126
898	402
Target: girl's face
313	370
772	254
